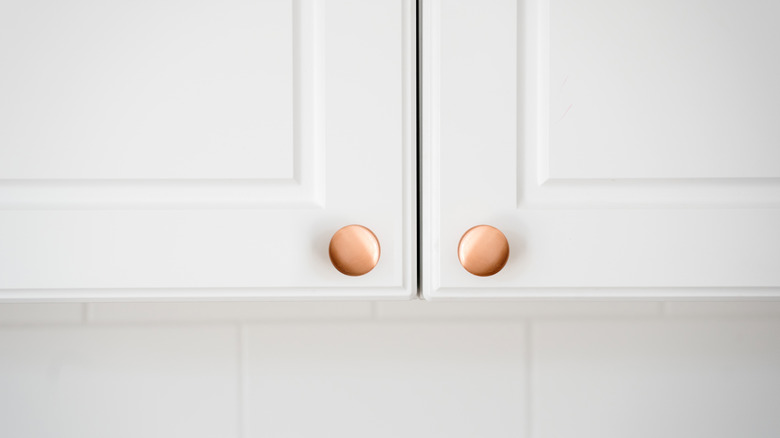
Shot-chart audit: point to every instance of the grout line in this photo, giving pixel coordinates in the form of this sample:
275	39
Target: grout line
662	311
241	379
374	311
529	412
86	313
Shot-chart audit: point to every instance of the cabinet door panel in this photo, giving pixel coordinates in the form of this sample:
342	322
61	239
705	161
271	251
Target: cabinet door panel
207	150
625	149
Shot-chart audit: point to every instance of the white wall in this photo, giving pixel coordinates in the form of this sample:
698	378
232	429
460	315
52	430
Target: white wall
390	369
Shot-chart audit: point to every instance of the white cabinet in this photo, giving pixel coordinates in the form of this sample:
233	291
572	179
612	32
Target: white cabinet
204	150
210	150
624	148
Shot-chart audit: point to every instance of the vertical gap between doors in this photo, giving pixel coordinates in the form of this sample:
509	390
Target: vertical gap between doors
418	149
529	376
241	369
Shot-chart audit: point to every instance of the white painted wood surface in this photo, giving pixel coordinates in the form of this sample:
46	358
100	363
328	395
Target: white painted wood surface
626	149
205	150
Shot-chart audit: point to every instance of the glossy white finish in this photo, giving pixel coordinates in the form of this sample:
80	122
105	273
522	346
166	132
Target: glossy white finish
385	380
656	378
626	149
206	150
60	381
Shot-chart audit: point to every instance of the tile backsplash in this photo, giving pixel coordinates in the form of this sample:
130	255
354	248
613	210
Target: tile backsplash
391	369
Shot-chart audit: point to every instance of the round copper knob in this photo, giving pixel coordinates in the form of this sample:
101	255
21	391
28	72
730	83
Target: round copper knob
483	250
354	250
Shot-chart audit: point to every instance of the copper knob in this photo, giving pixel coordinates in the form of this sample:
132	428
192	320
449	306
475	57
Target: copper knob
354	250
483	250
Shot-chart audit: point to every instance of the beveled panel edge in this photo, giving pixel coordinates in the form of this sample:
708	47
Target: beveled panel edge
429	35
538	189
306	189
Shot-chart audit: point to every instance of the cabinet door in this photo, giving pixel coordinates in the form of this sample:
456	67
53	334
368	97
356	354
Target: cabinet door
205	149
623	148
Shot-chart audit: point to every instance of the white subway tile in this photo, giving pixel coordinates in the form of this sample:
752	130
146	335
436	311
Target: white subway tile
83	382
229	311
722	308
663	378
426	310
40	313
386	380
